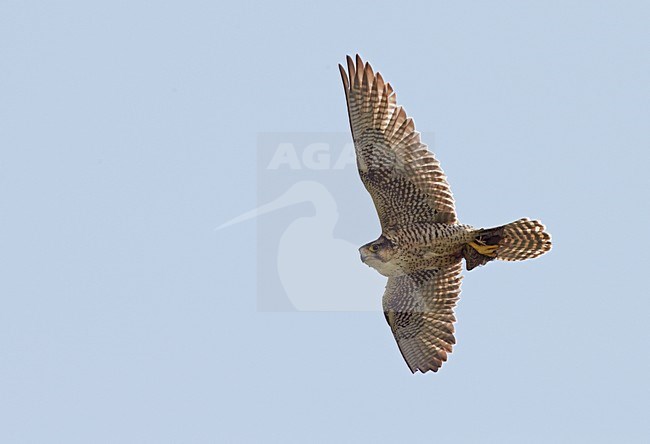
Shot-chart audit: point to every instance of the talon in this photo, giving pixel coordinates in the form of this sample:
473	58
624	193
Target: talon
485	250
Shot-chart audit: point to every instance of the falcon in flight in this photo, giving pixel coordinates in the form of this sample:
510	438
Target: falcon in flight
422	244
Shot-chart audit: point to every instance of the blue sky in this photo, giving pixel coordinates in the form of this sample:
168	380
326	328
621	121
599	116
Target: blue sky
130	130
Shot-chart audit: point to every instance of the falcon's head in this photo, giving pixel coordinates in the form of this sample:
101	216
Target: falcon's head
379	254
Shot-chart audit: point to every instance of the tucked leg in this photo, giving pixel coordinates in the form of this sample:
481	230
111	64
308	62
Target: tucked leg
485	250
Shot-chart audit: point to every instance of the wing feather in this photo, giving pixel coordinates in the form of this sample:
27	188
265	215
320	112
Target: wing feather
404	179
419	308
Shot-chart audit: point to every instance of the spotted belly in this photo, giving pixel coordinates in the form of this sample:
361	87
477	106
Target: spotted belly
429	246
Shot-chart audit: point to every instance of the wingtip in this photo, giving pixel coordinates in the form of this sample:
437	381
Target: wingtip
344	77
351	69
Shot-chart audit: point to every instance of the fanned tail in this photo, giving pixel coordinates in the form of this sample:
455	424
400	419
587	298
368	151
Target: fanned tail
523	239
517	241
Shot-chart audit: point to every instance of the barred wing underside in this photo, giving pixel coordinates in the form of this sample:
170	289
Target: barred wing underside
419	308
404	179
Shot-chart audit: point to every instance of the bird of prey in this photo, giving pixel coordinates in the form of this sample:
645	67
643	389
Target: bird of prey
422	244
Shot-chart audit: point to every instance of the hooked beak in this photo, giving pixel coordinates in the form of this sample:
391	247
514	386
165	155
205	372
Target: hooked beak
363	254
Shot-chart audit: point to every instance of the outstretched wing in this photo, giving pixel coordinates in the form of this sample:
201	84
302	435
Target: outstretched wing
419	308
404	179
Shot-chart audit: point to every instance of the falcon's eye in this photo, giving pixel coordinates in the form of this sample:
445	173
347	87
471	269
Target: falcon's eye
373	248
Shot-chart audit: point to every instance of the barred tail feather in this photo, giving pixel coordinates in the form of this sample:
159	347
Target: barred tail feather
523	239
519	240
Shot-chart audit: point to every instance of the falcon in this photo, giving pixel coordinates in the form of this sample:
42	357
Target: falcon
422	244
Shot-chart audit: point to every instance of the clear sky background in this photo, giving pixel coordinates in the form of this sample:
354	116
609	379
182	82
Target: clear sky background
129	131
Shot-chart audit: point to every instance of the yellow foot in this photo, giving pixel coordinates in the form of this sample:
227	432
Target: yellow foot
485	250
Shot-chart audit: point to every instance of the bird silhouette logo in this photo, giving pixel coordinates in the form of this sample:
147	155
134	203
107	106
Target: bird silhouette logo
303	263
